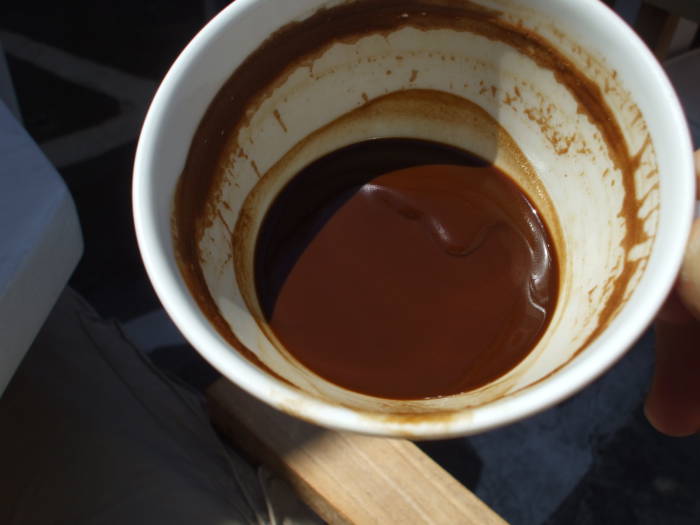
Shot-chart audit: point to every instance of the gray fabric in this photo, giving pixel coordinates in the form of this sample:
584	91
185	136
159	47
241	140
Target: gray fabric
92	433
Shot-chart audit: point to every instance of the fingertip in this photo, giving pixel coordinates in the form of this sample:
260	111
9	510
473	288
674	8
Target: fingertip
689	277
673	403
666	422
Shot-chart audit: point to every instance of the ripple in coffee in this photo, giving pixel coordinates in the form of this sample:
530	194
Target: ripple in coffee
405	269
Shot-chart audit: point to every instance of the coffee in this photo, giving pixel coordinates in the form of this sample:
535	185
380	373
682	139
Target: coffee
405	269
535	88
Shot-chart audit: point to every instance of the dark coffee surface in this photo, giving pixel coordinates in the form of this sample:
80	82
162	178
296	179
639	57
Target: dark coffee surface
405	269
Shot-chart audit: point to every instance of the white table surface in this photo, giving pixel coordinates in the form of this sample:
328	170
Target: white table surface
40	241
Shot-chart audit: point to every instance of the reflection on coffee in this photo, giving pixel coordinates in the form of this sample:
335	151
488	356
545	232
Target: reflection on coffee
405	269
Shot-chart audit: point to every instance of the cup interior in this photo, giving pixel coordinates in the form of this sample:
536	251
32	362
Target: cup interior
602	155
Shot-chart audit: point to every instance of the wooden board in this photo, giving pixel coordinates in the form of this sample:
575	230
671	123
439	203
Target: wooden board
346	478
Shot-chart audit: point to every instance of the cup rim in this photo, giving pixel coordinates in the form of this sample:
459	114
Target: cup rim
609	347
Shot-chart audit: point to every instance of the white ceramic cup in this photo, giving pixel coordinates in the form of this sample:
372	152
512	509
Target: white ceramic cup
620	225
